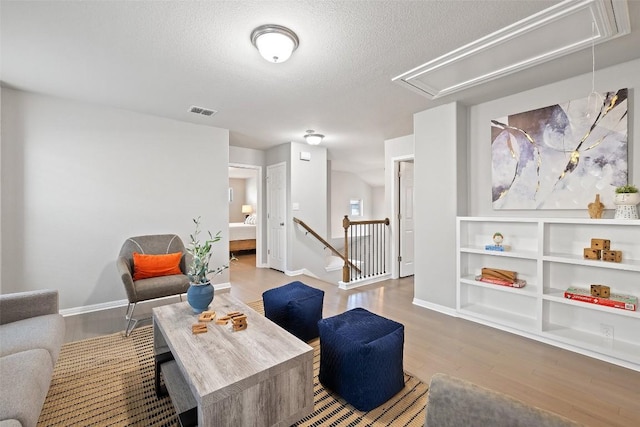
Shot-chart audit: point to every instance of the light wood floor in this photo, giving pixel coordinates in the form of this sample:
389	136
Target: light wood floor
586	390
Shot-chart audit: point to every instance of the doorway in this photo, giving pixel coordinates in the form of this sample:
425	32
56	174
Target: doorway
245	208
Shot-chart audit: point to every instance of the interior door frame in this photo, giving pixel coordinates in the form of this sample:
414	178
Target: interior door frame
261	209
395	210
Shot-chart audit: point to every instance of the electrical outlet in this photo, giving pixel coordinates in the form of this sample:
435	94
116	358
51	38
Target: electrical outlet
606	331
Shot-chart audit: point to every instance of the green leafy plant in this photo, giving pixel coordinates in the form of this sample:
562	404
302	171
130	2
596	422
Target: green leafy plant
201	255
627	189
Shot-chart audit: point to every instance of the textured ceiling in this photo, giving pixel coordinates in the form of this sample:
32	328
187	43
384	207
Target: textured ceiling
162	57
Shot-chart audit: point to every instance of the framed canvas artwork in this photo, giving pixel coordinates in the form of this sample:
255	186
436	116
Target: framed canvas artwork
561	156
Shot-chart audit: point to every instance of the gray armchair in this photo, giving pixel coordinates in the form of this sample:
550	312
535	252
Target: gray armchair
155	287
454	402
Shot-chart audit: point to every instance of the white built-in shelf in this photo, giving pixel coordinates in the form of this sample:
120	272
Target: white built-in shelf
547	253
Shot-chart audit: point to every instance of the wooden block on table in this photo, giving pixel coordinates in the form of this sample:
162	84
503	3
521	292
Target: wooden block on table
198	328
494	273
613	256
590	253
600	244
239	323
222	320
234	314
207	316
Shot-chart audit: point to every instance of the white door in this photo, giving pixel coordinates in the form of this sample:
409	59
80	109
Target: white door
406	234
276	216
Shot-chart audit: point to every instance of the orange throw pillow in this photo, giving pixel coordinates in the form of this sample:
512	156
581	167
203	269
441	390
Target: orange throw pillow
146	266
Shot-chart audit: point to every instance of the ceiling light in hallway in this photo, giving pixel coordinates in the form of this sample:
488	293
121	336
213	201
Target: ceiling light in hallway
313	138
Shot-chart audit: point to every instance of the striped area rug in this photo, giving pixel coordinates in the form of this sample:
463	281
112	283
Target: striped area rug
109	381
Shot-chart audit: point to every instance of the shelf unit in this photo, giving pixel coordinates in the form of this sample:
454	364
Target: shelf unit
547	253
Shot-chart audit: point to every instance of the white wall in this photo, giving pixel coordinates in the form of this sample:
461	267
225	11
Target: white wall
379	209
626	75
309	192
78	179
238	186
344	187
440	187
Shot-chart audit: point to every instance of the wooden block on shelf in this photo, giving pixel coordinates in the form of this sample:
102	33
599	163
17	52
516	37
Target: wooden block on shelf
601	291
495	273
612	256
590	253
198	328
601	244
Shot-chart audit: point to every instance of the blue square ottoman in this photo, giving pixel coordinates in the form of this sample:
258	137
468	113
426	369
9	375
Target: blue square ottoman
296	307
361	357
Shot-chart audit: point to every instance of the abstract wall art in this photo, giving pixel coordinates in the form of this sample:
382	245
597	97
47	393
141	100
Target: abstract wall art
560	156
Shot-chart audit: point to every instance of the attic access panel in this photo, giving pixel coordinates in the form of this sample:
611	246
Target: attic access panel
502	53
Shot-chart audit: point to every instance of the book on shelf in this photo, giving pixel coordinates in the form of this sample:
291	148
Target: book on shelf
517	283
624	302
499	248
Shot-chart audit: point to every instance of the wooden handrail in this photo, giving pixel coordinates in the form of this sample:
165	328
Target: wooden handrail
325	243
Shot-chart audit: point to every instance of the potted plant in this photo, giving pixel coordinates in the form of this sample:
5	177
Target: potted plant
626	199
200	292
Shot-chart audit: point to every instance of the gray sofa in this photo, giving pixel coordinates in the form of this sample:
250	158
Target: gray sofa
457	403
31	336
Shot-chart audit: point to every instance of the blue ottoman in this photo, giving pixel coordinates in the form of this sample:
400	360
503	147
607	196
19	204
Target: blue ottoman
296	307
361	357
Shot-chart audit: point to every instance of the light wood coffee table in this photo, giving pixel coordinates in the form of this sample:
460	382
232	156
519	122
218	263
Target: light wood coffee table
260	376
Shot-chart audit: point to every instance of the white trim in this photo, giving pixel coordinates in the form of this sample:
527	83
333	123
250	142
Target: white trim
295	272
94	307
436	307
363	282
110	305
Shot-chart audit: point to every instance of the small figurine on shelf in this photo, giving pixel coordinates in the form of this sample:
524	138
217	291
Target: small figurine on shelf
498	238
595	208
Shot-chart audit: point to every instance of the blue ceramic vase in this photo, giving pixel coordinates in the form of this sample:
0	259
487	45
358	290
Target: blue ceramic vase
200	296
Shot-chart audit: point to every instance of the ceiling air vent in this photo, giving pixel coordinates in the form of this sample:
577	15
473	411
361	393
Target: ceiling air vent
203	111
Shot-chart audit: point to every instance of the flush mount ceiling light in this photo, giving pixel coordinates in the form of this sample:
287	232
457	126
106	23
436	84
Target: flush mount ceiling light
274	42
313	138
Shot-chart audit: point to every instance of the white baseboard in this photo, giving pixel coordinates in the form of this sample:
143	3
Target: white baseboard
363	282
222	287
436	307
294	272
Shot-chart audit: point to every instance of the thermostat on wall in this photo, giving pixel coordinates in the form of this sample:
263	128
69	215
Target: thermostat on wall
305	155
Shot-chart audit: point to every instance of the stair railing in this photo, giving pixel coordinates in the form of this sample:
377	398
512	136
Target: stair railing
365	244
326	244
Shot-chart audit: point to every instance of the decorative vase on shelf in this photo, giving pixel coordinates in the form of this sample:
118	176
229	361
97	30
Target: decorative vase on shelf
626	205
199	296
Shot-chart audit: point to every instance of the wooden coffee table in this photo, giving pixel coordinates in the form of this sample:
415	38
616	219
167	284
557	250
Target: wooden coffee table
260	376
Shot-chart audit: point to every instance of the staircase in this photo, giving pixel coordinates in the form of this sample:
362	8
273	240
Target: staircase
363	258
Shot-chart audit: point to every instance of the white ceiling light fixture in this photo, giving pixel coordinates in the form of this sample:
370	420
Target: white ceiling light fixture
313	138
274	42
